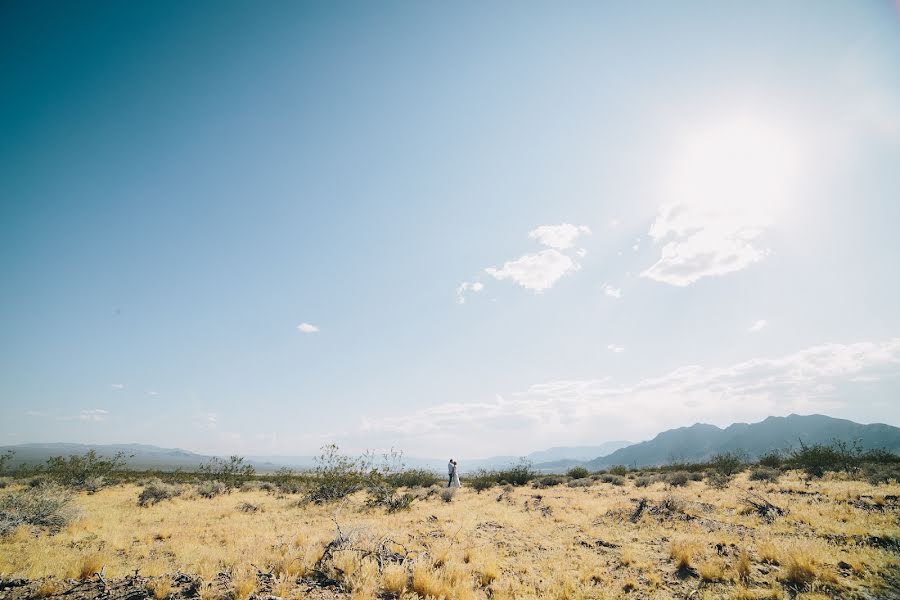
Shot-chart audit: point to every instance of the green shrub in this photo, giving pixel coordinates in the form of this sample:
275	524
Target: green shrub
773	460
817	459
413	478
79	471
620	470
337	476
548	481
578	473
762	473
728	463
519	474
5	459
612	478
644	481
883	473
232	473
482	480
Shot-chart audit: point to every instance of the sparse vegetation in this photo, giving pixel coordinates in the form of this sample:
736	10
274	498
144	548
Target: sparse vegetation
578	473
87	471
156	491
47	506
835	535
231	473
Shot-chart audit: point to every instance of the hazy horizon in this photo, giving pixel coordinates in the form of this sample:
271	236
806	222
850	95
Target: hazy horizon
468	230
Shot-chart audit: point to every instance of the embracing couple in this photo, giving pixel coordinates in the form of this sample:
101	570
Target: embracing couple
453	480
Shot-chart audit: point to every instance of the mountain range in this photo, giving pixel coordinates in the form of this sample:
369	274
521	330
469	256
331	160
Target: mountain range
685	444
699	442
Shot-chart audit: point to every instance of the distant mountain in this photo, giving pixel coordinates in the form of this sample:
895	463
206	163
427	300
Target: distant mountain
700	441
144	456
575	453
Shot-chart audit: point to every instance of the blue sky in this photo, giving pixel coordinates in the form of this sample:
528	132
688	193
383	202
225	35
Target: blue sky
464	229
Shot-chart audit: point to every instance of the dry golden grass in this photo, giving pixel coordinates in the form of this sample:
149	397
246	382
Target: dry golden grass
572	543
160	588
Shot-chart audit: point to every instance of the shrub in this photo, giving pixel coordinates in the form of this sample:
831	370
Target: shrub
548	481
772	459
817	459
678	478
211	489
765	474
612	478
157	491
248	507
447	494
583	482
644	481
876	474
336	476
47	506
519	474
5	459
728	463
387	496
482	480
413	478
232	473
620	470
77	471
578	473
718	480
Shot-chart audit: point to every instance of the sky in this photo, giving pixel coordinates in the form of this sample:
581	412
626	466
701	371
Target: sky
464	229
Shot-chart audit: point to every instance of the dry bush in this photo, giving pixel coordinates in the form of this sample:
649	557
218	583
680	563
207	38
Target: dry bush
487	572
678	478
644	480
711	570
800	567
425	582
447	494
47	506
156	491
612	478
684	552
90	565
584	482
210	489
160	587
48	588
394	579
767	474
742	565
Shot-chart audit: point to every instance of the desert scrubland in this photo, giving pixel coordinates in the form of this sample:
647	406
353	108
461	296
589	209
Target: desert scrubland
637	536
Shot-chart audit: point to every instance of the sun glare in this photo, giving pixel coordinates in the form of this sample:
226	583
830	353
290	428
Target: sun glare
742	168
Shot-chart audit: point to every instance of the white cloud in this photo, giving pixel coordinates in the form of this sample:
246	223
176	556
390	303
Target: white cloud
817	379
727	186
615	349
208	420
560	237
536	272
758	325
307	328
94	415
464	287
152	393
614	222
612	292
117	386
